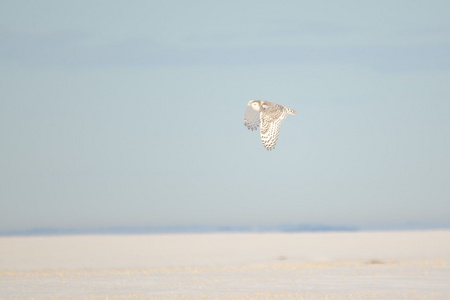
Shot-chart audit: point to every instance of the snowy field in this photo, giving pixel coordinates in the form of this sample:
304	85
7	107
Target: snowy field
344	265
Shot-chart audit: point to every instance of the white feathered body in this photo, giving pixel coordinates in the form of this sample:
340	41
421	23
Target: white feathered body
270	116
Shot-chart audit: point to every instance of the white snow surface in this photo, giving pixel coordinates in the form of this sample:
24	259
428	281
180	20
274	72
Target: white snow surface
333	265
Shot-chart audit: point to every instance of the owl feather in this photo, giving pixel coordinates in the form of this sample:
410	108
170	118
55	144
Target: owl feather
270	116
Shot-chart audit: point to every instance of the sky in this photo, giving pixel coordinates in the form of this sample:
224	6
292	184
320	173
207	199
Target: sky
130	113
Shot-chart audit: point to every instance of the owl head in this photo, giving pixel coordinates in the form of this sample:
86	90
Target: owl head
255	105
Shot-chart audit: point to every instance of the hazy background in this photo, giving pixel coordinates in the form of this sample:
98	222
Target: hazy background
130	113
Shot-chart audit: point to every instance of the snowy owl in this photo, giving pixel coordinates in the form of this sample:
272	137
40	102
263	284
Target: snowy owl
270	115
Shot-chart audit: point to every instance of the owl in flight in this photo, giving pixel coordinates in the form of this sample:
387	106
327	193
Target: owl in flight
270	115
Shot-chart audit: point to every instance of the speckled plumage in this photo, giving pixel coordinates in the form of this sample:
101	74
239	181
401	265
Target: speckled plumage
270	116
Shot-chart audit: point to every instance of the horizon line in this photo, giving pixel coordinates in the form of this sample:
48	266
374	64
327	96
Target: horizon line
175	229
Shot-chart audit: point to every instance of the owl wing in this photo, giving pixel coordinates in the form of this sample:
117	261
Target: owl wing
271	119
251	118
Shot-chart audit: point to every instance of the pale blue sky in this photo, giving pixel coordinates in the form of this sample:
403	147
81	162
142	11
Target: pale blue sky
129	113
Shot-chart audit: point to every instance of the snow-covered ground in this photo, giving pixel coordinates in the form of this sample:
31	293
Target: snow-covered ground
340	265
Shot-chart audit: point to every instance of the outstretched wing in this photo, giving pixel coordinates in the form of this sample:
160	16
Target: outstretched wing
271	119
251	118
